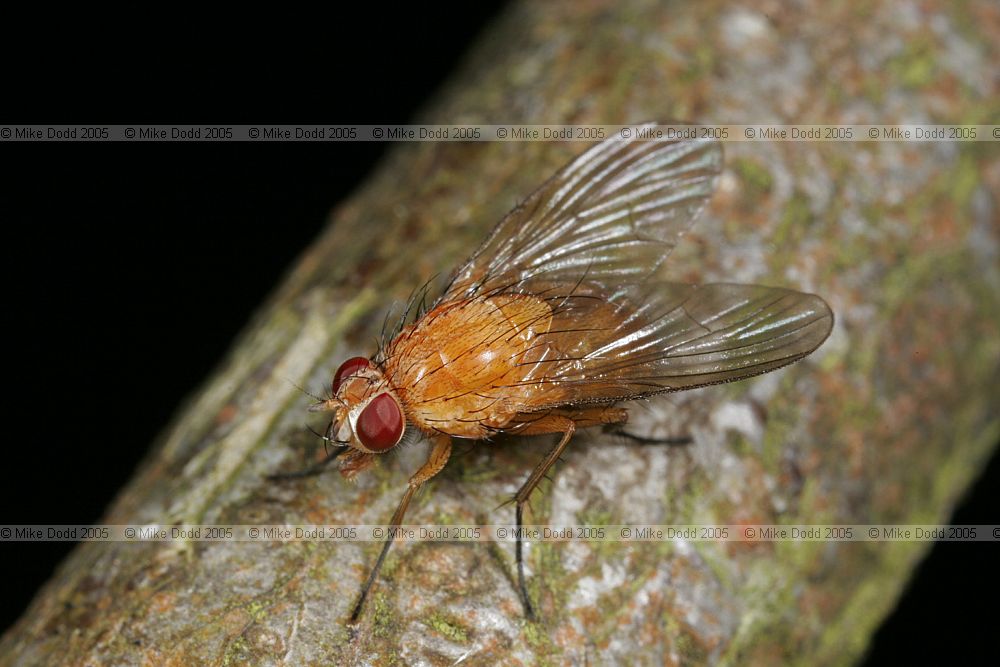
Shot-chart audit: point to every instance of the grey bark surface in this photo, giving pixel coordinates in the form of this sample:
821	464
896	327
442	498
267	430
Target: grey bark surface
888	422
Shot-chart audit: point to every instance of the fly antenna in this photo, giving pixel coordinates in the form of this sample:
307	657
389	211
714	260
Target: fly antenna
326	438
306	392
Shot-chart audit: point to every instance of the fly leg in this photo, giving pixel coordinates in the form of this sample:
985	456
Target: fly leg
564	422
440	451
312	470
351	462
618	428
643	440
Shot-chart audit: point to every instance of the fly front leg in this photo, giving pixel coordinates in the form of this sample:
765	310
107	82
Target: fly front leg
565	422
440	451
315	469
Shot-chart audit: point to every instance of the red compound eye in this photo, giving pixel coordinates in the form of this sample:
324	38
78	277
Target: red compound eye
380	424
347	369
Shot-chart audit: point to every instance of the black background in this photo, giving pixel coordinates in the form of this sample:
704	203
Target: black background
129	269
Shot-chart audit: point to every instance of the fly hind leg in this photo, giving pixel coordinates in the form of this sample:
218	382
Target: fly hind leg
618	428
566	423
645	440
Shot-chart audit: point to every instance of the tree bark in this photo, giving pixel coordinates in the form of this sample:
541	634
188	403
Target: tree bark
888	422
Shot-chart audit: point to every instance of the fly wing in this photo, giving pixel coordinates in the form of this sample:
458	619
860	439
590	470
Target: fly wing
613	215
605	348
586	244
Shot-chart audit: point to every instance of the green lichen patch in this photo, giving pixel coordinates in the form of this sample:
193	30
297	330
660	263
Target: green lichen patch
916	65
449	627
383	622
757	180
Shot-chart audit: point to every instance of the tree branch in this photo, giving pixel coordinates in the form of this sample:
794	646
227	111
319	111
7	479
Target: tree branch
888	422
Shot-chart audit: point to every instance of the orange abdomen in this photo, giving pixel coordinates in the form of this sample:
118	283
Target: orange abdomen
462	367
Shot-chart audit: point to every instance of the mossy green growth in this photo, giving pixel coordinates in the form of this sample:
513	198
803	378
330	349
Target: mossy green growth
783	413
381	615
679	502
594	517
965	178
769	596
916	66
448	627
537	637
550	574
738	444
701	64
757	180
237	652
257	610
795	220
689	650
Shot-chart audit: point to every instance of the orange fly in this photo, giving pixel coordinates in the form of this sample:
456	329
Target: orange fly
559	316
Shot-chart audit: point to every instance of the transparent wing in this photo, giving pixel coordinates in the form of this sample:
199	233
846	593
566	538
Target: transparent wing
667	337
586	244
613	215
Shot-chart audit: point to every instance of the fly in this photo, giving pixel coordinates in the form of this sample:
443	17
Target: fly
559	317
